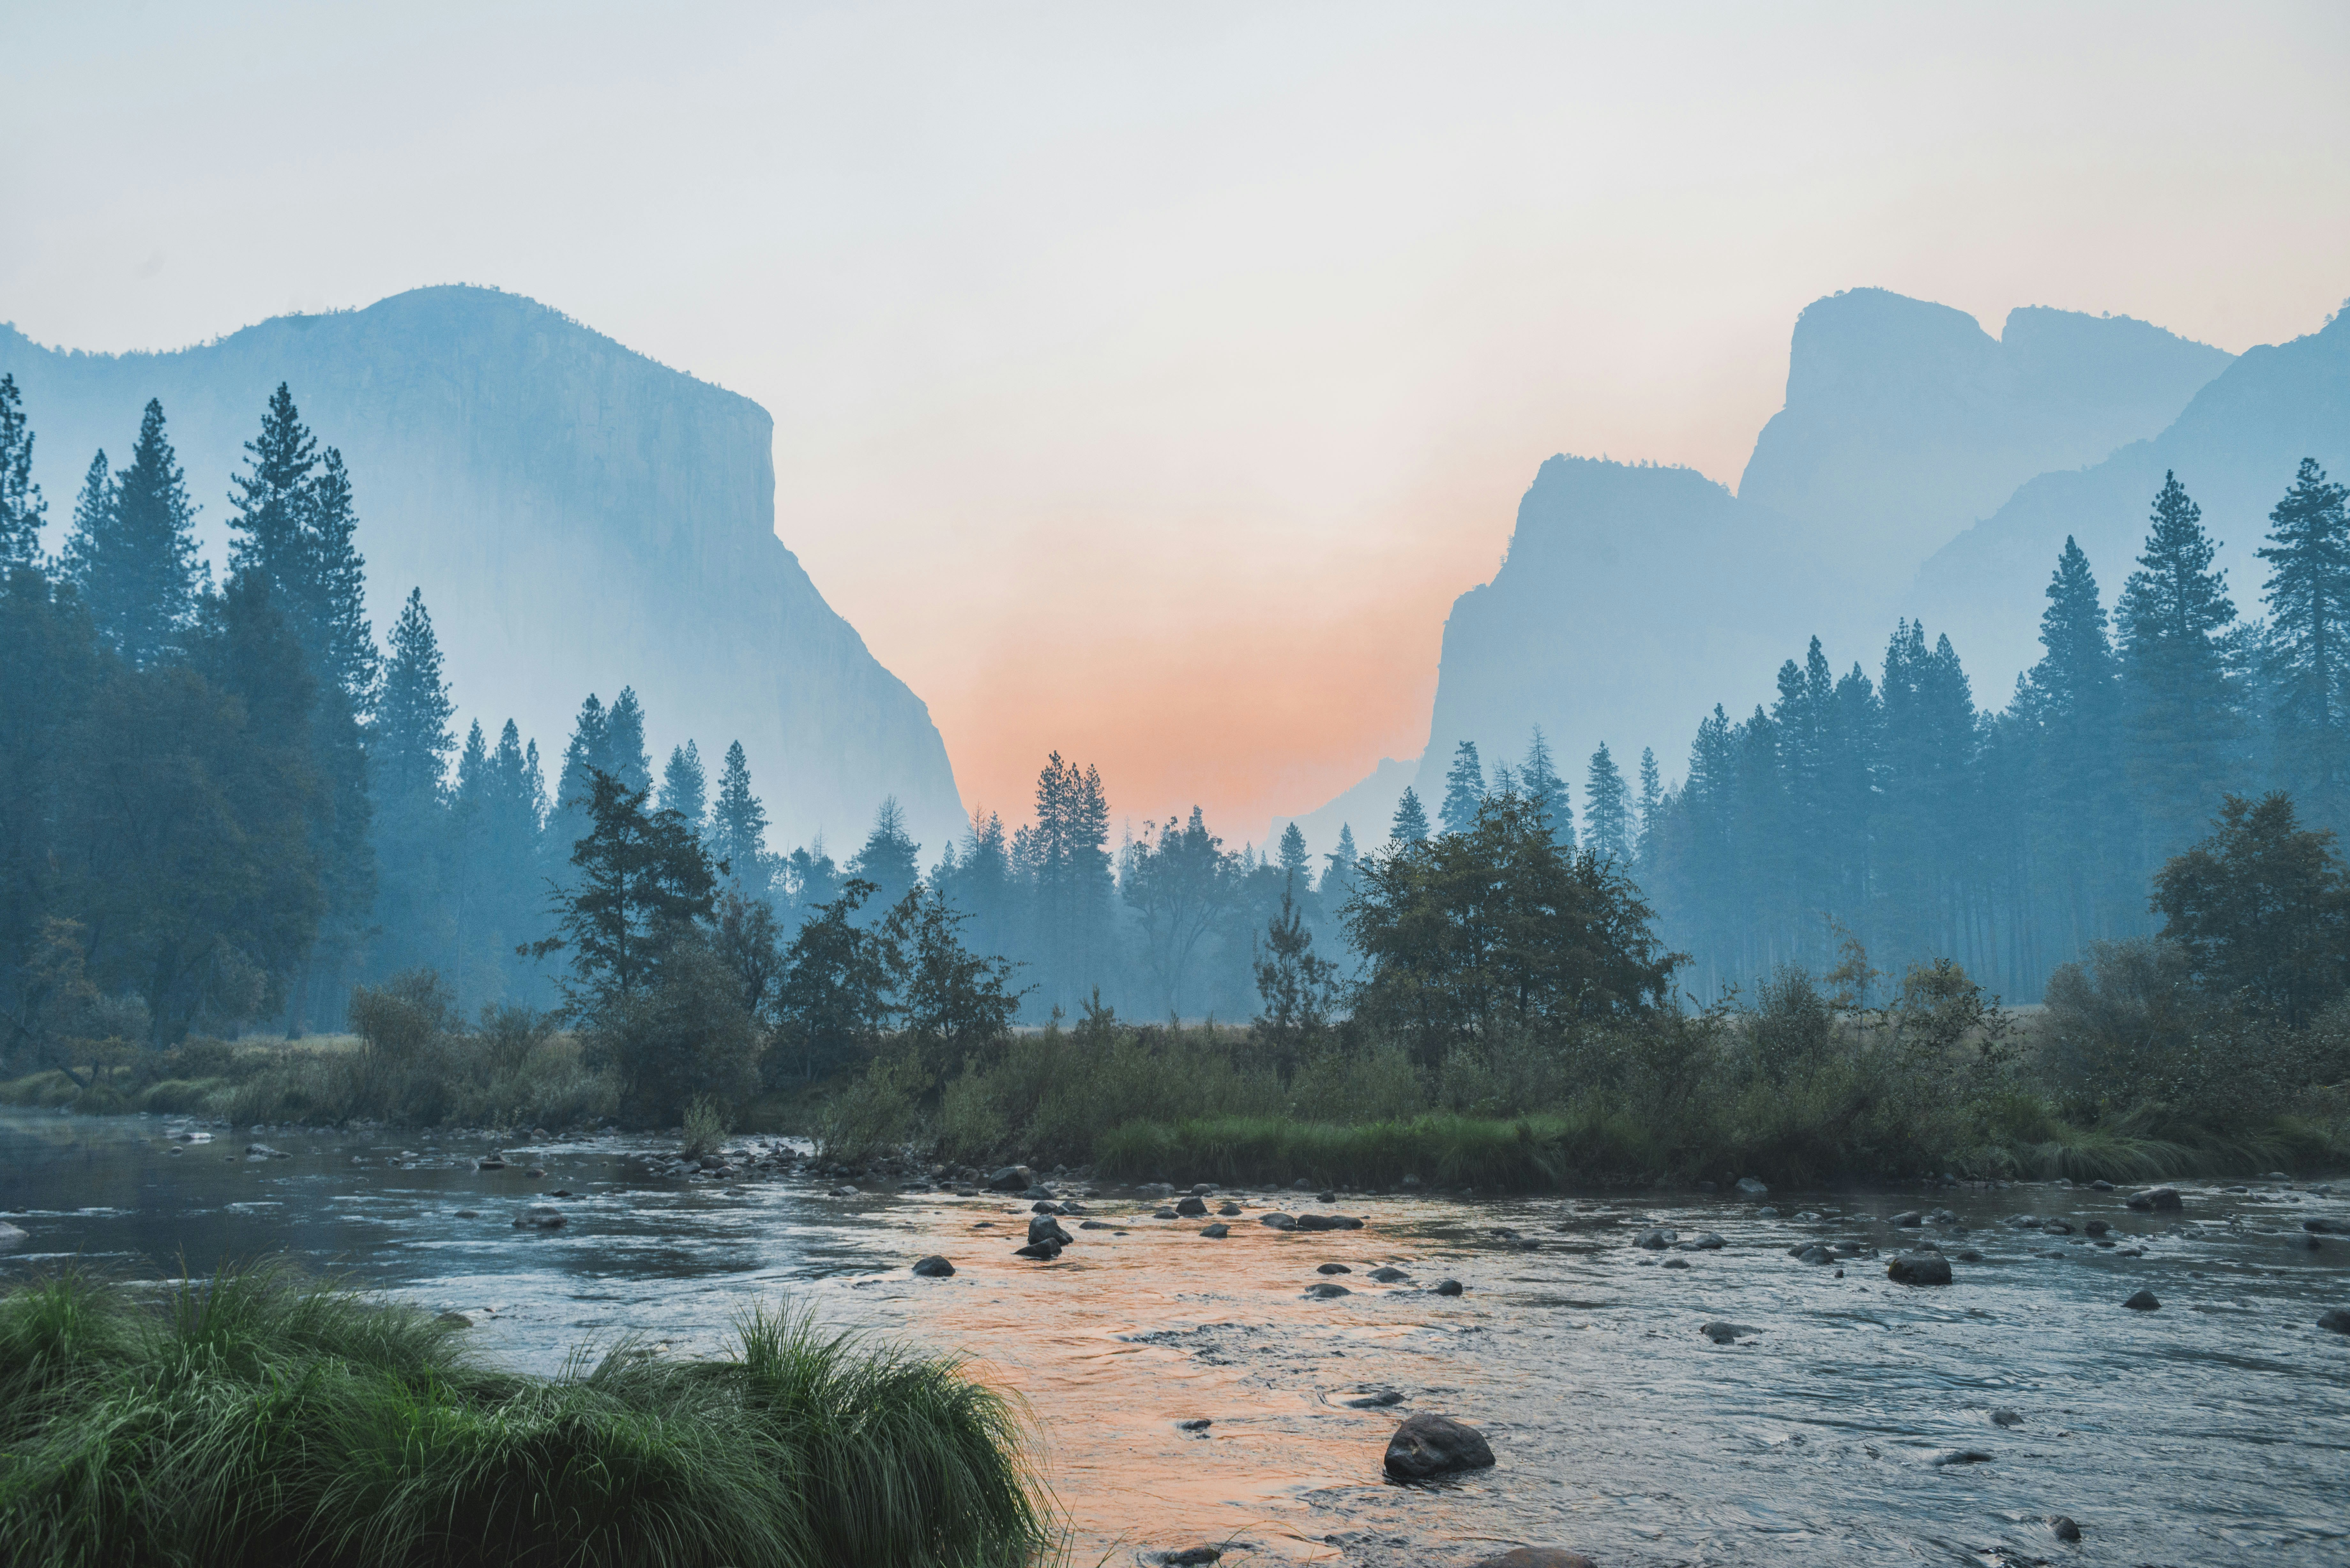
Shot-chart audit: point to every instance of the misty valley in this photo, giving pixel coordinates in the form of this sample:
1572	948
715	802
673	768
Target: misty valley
1727	1100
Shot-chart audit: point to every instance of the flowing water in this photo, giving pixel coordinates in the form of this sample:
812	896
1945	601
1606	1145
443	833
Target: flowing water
1854	1425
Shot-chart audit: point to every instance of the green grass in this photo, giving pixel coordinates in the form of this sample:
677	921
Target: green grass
259	1417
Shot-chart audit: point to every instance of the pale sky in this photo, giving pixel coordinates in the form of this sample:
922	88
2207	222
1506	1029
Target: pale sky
1148	379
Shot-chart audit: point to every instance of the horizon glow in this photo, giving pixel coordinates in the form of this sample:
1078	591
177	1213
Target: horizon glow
1147	384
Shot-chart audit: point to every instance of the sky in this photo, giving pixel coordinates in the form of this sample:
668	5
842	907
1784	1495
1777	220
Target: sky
1148	381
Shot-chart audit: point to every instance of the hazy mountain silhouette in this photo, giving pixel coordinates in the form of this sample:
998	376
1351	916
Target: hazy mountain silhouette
1906	421
579	517
2235	448
1634	599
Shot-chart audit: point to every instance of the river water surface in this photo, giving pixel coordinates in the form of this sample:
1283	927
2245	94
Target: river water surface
2215	1430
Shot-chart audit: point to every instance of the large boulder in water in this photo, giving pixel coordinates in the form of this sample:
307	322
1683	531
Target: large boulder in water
1427	1445
1193	1206
1044	1228
1011	1179
1919	1269
2154	1198
11	1238
934	1268
541	1217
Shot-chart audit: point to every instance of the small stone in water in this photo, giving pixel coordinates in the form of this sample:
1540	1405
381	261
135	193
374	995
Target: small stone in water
2004	1417
1449	1287
2064	1528
1200	1425
2143	1301
1334	1269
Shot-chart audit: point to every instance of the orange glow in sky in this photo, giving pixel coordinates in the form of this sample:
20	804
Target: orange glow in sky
1150	380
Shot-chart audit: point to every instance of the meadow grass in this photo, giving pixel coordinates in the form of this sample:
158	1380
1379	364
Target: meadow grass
258	1417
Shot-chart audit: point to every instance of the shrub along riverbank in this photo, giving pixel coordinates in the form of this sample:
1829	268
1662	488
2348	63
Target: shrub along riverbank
256	1417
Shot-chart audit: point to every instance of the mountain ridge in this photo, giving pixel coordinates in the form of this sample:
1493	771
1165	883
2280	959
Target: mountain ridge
579	517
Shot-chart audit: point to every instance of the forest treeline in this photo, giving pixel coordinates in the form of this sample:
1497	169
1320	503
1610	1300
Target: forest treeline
225	804
1897	810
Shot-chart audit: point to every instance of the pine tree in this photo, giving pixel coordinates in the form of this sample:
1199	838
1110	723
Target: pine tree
1464	789
2308	597
2177	705
890	859
1652	811
626	758
22	509
1410	823
1296	865
1069	866
272	499
412	739
684	788
336	590
738	827
589	752
1539	783
133	550
1607	810
1338	871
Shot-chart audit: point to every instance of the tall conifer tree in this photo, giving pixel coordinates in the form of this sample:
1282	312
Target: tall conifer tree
624	743
412	739
2309	642
1464	790
1542	788
1607	810
1410	823
684	788
133	553
22	509
738	827
2177	705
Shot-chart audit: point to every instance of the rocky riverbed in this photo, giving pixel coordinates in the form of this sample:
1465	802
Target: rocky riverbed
1659	1377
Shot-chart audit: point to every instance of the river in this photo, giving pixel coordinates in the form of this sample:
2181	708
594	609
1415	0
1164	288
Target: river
2213	1431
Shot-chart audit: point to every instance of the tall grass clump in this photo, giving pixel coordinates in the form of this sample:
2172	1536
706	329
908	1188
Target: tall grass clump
260	1418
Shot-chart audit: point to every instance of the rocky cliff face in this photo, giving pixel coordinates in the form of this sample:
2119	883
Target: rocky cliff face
1906	421
2235	448
1631	601
579	518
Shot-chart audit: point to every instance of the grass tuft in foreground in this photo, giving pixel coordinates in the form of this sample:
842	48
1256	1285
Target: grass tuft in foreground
261	1418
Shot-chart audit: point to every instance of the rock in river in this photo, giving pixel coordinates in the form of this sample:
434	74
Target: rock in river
1278	1220
2062	1528
1534	1557
541	1217
1727	1333
933	1268
1191	1205
1751	1186
1324	1290
1333	1269
2143	1301
1427	1445
1448	1287
1011	1179
1044	1252
1217	1232
1387	1275
11	1238
1045	1227
2154	1198
1919	1269
2335	1320
1656	1238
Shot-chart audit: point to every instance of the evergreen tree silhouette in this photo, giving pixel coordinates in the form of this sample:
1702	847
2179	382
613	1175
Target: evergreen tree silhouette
1464	789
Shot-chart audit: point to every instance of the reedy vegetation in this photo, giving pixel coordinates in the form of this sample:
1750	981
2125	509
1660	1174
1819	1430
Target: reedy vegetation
260	1418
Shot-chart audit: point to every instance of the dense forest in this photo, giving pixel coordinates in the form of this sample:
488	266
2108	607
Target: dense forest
226	805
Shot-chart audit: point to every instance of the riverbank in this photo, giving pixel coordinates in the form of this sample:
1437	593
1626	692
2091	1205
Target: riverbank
258	1417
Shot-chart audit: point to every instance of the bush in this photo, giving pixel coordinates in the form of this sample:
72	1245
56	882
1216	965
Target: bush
255	1417
686	1038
